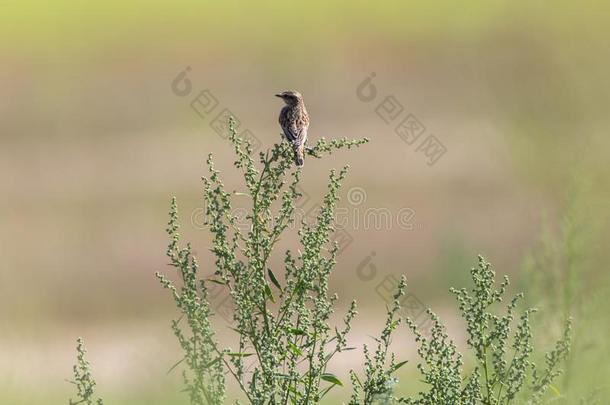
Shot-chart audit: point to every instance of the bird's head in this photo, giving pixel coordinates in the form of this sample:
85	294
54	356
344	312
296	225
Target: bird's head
290	97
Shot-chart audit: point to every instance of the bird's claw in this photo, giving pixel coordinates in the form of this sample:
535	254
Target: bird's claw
311	151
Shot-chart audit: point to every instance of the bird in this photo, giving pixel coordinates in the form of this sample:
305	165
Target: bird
294	121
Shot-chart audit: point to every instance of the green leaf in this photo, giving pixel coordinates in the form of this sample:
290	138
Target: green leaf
213	280
274	279
269	293
555	390
300	288
357	379
283	376
175	365
331	378
323	394
399	365
237	354
299	332
393	325
211	363
295	349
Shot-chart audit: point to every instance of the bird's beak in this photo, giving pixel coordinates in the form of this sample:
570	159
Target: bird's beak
278	95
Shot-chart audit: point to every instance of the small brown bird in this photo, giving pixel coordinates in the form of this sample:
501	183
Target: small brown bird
294	121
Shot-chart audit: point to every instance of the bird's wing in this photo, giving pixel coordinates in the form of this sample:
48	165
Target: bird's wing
295	128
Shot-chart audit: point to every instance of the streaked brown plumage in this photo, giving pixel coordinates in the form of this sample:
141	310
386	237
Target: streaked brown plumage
294	121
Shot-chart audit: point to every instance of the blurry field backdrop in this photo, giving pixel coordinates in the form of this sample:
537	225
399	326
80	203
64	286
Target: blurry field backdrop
94	142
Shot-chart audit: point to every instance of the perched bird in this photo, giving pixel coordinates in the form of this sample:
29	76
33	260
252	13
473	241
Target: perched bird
294	121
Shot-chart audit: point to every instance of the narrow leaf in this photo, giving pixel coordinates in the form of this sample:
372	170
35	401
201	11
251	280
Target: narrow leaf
331	378
237	354
274	279
269	293
357	379
176	365
555	390
399	365
211	363
295	349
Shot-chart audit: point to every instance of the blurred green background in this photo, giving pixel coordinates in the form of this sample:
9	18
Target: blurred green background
94	143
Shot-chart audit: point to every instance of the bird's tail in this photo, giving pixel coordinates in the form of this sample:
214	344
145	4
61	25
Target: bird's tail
299	155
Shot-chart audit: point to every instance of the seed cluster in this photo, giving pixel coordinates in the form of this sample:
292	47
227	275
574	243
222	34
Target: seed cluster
83	379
